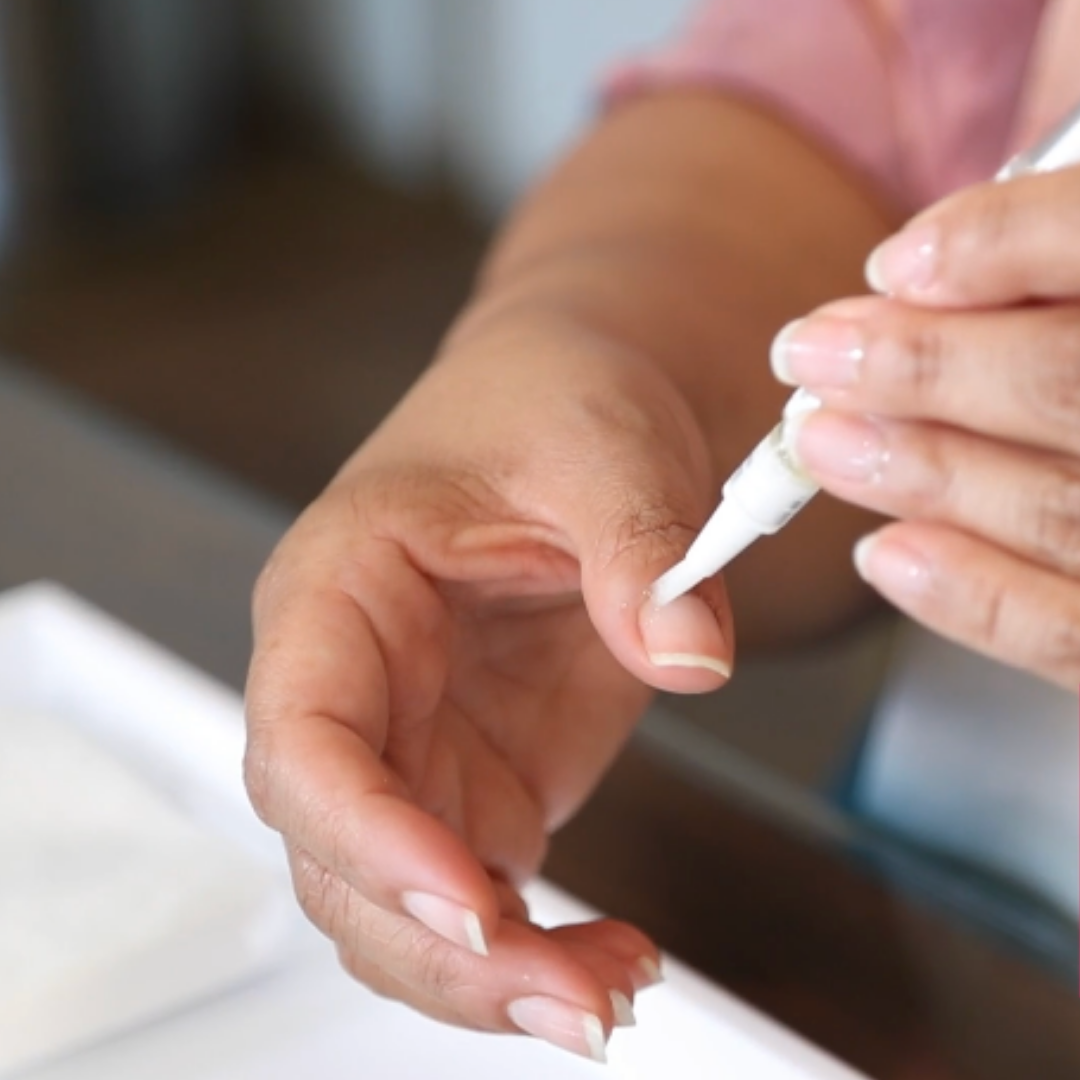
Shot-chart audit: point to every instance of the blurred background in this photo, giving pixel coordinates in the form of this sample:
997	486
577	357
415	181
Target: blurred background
246	223
244	226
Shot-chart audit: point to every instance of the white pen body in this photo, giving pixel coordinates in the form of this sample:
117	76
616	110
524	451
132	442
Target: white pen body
762	496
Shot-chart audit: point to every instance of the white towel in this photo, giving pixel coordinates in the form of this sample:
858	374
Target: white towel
114	907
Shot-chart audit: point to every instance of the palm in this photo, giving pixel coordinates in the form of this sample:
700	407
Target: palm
533	710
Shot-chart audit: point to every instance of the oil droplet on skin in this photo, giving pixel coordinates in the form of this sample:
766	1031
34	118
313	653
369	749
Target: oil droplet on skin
648	611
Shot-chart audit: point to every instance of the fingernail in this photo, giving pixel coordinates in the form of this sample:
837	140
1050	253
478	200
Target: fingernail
891	568
841	447
449	920
819	351
647	973
905	263
684	634
623	1010
561	1024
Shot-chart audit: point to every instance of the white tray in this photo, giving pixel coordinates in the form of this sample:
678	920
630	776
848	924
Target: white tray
306	1018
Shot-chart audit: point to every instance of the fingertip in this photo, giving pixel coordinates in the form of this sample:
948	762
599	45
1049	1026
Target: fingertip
638	957
562	1025
907	264
685	645
453	922
623	1009
647	972
576	972
411	863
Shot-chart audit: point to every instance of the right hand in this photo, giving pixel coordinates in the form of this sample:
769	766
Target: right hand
453	643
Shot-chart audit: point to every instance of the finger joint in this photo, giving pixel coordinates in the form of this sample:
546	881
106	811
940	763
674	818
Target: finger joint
1062	649
1051	382
922	362
1055	525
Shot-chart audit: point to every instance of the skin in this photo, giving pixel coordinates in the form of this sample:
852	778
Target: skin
958	413
454	641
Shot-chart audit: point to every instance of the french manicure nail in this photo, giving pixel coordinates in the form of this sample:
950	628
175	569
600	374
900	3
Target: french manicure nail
648	973
893	569
905	263
684	634
842	447
623	1009
449	920
691	660
561	1024
818	352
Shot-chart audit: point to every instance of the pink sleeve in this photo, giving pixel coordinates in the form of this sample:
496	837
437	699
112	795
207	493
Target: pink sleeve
918	95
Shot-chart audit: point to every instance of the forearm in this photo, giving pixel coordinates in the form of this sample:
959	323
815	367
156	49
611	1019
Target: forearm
688	228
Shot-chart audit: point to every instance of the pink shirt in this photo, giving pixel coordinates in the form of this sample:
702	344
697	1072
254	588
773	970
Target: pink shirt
923	96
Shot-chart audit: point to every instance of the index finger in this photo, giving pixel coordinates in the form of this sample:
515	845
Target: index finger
988	245
319	700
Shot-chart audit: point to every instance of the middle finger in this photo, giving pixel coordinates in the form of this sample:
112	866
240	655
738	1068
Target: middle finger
1024	500
1014	374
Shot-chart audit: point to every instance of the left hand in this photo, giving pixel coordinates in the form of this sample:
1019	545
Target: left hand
953	405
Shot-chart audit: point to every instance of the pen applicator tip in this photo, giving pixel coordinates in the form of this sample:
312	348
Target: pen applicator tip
678	581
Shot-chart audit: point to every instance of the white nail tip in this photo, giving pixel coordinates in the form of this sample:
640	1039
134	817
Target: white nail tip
652	970
561	1024
474	934
690	660
595	1039
863	550
874	277
778	354
449	920
623	1010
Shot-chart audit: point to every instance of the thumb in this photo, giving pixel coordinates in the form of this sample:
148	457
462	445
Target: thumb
649	508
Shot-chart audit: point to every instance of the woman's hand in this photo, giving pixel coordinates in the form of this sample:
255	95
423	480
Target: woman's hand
953	405
452	643
451	646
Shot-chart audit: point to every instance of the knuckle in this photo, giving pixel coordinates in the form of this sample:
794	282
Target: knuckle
1051	383
268	585
393	957
260	780
929	487
1061	650
643	530
264	587
336	832
920	364
436	966
992	223
988	617
326	900
1055	522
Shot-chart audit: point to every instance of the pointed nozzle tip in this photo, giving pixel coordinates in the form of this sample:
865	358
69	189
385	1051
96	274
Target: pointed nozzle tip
678	581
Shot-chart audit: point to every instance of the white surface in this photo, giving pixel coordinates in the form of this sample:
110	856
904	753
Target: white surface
980	761
115	908
307	1018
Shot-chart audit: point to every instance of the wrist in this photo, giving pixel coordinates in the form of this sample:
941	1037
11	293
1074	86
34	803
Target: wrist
518	374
